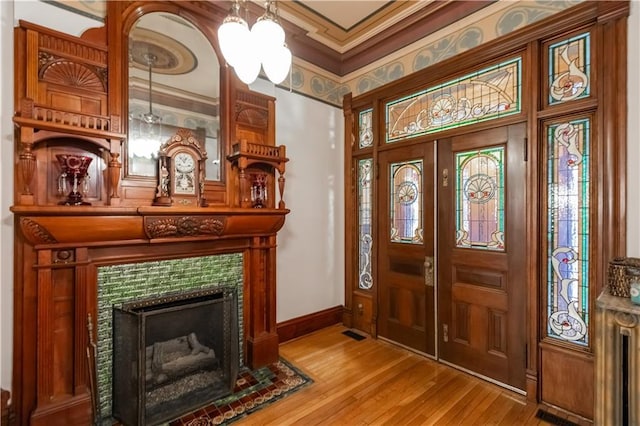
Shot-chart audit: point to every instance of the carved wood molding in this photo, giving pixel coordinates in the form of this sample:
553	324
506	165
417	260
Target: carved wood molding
184	226
65	72
35	233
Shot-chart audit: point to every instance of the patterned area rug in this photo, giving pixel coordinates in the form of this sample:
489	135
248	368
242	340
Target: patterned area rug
253	391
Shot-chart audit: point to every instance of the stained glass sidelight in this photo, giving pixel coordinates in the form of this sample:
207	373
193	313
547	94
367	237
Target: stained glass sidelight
569	69
366	128
568	170
484	95
480	199
365	203
406	202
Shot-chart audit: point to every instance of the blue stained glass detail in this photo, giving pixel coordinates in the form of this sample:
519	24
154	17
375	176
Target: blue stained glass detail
365	207
568	219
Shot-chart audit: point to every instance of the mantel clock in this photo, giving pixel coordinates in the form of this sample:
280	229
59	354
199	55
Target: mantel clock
181	171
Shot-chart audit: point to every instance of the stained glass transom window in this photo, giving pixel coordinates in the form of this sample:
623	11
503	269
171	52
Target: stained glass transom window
366	128
406	202
569	69
480	199
365	202
568	231
484	95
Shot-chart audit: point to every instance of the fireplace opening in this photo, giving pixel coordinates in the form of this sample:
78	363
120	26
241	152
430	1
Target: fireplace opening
173	354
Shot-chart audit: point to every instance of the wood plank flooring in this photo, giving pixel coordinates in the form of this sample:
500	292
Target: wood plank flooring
373	382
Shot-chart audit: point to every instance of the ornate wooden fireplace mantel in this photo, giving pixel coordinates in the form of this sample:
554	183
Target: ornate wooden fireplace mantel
71	101
59	250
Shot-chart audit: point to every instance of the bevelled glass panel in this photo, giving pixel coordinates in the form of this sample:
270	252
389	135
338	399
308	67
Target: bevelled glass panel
366	128
487	94
406	202
479	199
569	69
365	203
568	171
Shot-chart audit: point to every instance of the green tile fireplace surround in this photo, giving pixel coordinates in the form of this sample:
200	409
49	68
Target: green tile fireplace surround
118	284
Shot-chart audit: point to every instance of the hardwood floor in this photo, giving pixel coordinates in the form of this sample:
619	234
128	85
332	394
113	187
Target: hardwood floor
373	382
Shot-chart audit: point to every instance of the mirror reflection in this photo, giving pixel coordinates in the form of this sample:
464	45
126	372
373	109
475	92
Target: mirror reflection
174	81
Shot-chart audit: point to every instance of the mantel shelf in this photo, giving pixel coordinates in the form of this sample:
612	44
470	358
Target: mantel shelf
76	226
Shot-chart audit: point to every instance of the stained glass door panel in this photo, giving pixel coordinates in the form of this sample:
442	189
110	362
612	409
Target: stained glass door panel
405	249
481	273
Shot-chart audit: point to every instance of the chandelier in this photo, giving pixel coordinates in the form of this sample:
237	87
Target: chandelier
148	129
246	50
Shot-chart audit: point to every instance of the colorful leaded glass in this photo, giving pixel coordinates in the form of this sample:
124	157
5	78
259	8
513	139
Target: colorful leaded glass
366	128
406	202
568	231
484	95
480	199
365	203
569	69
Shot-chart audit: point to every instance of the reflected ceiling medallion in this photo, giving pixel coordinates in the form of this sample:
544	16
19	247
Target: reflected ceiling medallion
171	56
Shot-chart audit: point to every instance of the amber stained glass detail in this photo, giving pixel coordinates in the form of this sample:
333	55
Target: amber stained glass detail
365	133
568	220
365	203
479	199
483	95
406	202
569	69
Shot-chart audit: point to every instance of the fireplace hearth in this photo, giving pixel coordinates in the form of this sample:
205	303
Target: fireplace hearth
173	354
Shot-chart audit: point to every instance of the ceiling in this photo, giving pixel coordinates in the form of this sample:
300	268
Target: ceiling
343	36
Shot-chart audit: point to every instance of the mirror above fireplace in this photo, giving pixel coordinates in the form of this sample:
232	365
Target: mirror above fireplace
174	82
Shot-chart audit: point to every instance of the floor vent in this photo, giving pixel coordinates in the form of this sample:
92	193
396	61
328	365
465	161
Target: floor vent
354	335
553	419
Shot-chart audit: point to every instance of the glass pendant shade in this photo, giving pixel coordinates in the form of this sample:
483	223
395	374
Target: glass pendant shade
233	33
248	67
268	35
246	50
277	64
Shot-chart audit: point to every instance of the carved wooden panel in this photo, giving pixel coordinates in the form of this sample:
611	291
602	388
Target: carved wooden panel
497	333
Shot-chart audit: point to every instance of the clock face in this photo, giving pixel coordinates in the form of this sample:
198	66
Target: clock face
184	174
184	162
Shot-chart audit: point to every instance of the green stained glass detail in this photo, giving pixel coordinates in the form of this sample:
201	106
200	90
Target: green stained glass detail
568	220
406	202
365	209
365	134
479	199
487	94
569	69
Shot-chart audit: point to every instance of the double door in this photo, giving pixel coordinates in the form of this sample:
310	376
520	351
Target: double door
451	251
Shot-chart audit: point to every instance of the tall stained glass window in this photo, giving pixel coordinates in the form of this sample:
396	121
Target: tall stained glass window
569	69
365	133
365	202
484	95
568	230
406	202
480	199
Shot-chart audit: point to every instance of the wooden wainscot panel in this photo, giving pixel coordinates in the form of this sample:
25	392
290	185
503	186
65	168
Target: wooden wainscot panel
562	369
363	312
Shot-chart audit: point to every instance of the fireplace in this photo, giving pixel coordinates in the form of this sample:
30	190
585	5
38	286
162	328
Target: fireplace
173	354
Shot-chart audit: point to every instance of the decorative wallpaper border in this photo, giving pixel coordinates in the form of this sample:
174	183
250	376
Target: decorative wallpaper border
483	26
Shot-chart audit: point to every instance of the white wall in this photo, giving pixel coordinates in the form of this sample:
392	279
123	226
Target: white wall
310	260
633	132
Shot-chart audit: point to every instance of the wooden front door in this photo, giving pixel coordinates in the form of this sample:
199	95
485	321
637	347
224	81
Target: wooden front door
405	254
481	253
